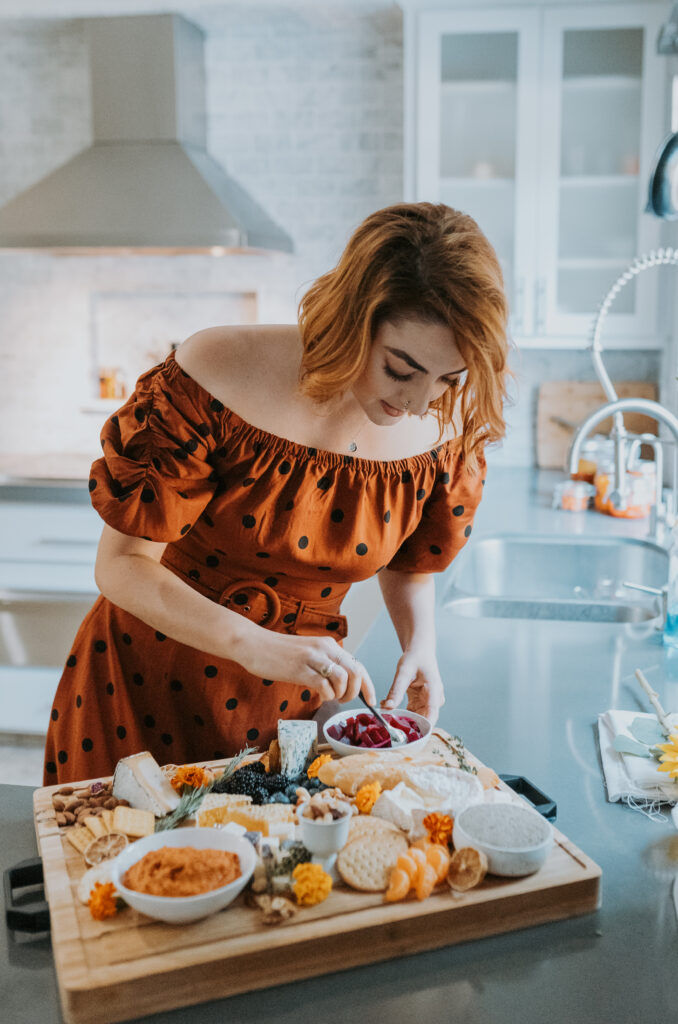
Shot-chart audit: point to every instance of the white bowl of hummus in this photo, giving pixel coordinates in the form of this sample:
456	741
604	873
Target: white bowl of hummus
183	874
515	839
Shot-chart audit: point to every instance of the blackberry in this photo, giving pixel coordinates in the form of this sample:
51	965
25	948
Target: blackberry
242	781
256	766
275	781
259	795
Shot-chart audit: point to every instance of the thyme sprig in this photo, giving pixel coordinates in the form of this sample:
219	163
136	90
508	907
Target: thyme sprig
191	798
456	745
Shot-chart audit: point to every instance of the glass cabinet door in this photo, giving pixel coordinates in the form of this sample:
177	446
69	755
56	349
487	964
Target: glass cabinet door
476	123
601	121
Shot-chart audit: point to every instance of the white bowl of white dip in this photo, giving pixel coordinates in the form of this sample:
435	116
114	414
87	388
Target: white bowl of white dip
515	839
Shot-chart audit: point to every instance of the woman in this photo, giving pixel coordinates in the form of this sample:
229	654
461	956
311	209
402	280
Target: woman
258	472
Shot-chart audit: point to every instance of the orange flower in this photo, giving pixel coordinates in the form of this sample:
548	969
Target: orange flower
312	770
190	775
439	827
103	901
312	884
367	796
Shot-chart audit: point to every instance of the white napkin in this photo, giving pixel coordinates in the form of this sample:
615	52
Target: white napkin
627	777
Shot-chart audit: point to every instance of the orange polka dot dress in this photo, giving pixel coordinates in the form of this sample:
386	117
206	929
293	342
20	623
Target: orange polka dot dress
269	528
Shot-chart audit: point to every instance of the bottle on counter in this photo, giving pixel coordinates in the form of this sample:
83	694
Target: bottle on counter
640	492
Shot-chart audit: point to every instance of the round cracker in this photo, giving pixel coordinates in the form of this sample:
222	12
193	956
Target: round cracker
366	863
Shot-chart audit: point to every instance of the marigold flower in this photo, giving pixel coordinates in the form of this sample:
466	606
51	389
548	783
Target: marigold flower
103	901
367	796
312	770
670	756
192	776
439	827
311	884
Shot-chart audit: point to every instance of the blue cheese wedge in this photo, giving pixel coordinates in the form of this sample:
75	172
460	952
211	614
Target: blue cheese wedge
298	742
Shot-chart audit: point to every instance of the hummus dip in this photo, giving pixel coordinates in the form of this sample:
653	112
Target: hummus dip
182	871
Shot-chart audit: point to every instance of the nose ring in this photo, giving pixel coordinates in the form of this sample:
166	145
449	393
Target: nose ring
408	404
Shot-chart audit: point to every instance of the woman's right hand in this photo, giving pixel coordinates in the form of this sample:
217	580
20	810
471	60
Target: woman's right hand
302	660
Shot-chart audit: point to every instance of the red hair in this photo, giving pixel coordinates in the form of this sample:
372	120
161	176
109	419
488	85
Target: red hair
414	261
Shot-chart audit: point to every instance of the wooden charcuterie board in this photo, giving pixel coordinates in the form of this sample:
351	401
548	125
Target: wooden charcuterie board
130	965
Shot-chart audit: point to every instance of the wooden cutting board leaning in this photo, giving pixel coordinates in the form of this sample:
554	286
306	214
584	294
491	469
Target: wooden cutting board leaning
129	965
563	405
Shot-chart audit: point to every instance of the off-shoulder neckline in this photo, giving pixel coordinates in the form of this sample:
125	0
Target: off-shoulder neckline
298	450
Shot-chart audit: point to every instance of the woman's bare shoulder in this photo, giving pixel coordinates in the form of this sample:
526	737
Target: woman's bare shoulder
232	361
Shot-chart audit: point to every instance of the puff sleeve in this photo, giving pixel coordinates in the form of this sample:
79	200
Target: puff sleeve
155	476
446	521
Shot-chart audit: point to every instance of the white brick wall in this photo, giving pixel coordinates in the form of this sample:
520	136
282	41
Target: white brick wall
304	109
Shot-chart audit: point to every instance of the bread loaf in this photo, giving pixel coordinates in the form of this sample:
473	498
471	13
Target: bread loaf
351	772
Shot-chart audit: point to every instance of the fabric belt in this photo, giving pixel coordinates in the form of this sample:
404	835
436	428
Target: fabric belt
257	601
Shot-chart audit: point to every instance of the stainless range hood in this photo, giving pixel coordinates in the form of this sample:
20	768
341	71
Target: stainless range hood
146	182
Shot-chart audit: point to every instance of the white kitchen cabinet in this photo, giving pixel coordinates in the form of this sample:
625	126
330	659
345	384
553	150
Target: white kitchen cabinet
542	123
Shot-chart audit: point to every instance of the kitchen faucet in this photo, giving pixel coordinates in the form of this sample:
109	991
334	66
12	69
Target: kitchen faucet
662	514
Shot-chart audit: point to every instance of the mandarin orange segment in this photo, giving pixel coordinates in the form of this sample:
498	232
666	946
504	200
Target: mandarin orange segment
425	883
408	865
439	859
417	854
399	884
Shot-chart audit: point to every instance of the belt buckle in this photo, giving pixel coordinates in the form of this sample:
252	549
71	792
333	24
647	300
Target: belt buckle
238	588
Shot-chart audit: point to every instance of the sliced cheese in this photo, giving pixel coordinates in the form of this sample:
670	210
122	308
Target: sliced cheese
263	819
140	780
298	742
214	808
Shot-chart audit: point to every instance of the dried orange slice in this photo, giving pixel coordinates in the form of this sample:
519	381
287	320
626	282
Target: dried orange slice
467	868
105	847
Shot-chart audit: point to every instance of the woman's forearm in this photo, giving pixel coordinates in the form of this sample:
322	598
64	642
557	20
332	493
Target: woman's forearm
410	601
142	586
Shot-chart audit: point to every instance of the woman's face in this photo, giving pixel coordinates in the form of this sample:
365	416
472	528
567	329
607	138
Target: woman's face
410	365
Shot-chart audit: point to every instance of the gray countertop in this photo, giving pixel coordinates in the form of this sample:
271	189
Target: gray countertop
525	697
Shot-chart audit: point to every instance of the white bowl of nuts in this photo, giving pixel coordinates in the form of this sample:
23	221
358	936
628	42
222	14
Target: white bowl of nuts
323	823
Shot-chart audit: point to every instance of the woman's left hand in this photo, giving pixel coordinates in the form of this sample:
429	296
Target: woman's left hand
418	676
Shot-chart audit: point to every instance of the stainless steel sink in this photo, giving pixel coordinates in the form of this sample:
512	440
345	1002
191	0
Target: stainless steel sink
571	578
38	627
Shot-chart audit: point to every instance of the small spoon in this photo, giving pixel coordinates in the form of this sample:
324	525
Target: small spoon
398	737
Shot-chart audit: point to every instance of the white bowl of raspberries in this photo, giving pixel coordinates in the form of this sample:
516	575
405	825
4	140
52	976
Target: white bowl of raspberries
356	732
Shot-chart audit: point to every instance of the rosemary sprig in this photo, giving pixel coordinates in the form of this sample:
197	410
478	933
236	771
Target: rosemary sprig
191	798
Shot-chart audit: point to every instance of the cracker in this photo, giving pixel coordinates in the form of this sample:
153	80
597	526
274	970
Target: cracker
132	821
366	863
79	837
95	825
107	819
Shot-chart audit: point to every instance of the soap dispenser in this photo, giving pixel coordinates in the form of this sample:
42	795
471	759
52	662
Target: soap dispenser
671	626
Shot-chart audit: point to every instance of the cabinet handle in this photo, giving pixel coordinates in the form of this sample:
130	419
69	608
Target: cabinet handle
518	318
540	306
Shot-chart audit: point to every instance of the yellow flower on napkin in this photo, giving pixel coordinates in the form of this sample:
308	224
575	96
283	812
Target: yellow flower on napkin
670	756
